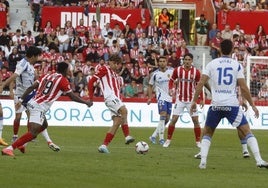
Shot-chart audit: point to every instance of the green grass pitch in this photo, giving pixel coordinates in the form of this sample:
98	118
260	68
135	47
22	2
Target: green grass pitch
79	165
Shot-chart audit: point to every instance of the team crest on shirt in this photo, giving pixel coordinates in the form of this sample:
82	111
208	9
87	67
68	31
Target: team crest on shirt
168	75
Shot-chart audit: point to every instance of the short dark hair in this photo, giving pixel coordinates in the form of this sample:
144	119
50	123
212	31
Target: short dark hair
226	46
62	67
33	51
189	55
115	58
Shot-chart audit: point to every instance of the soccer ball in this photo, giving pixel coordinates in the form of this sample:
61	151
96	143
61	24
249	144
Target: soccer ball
142	147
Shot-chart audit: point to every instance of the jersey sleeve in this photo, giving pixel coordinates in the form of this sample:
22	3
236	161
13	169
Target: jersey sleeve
172	79
20	67
65	85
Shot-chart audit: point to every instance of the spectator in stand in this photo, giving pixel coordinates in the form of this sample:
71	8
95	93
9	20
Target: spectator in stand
117	31
131	41
174	61
41	40
81	28
152	61
125	73
105	30
176	29
48	29
115	49
182	50
8	49
86	68
237	30
36	28
17	37
163	17
36	6
263	93
63	39
69	29
23	27
231	6
218	4
251	42
151	28
247	7
80	81
215	45
202	26
212	33
259	33
227	33
131	90
22	48
134	53
76	45
155	41
127	31
93	28
109	40
29	38
263	43
4	5
138	30
240	5
53	39
163	31
135	73
123	43
4	38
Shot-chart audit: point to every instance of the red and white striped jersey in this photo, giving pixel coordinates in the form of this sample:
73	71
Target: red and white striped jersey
186	81
109	82
51	86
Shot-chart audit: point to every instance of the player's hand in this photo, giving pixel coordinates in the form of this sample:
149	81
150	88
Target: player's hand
17	105
1	88
202	103
193	108
256	111
170	92
89	103
149	101
244	106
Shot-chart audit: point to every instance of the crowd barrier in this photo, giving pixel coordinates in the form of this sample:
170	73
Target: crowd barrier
248	20
3	19
67	113
104	15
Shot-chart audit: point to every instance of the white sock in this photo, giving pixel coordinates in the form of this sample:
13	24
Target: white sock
244	148
46	136
161	129
1	126
205	145
155	133
254	147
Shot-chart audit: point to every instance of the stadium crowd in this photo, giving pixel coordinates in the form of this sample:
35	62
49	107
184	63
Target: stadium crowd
86	48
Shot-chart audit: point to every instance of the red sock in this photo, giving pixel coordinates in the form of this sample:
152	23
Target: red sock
16	126
108	138
27	137
171	129
125	129
197	132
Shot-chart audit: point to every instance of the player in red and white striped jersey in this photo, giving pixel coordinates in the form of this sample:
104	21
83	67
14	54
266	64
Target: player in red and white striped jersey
186	77
49	88
110	87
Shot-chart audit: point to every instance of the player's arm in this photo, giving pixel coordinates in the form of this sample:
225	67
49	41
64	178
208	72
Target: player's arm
150	94
198	90
8	81
76	98
246	95
171	82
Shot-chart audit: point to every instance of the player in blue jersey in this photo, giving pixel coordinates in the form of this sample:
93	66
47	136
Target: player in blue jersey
24	77
159	82
225	75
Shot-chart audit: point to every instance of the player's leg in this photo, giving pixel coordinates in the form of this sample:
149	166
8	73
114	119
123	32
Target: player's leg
50	144
171	129
2	141
197	130
36	122
244	145
16	126
253	145
124	125
213	119
117	120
